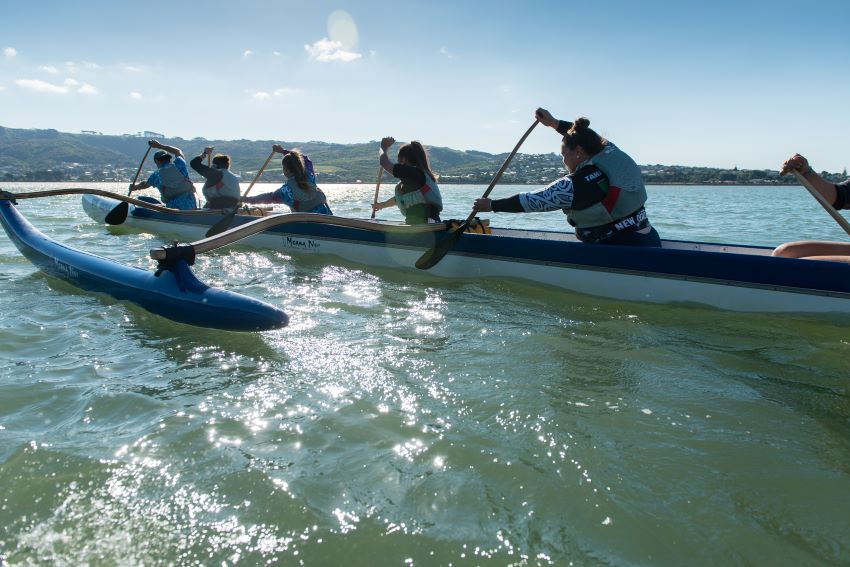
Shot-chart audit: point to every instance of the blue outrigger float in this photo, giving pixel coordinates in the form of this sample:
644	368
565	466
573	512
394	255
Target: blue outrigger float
172	292
726	276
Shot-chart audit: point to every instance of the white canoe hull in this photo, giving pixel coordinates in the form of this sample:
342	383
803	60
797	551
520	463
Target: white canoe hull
737	278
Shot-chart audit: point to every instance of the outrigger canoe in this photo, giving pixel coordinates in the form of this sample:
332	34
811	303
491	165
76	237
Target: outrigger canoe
726	276
174	292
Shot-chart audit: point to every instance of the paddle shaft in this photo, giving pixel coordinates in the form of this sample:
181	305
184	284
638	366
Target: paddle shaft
138	171
377	187
820	199
433	255
501	170
259	173
119	214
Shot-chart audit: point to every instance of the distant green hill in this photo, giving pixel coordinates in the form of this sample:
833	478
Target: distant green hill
50	155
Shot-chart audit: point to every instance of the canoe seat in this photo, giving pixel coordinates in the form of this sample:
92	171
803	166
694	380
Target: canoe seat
477	225
256	211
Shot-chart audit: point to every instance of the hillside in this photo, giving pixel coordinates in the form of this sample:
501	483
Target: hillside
50	155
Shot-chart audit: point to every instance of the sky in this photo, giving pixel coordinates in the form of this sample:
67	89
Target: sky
715	84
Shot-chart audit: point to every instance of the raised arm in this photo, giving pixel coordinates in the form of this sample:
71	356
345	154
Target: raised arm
211	174
383	158
545	117
170	149
308	164
801	164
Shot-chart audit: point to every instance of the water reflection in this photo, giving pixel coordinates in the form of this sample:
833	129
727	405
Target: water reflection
414	420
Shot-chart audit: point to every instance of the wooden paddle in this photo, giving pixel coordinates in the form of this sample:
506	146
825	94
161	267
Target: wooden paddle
225	222
209	164
377	187
119	214
430	258
820	199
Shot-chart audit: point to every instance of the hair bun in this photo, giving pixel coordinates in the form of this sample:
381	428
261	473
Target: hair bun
581	123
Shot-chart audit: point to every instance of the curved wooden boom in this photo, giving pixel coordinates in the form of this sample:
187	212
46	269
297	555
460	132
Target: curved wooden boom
102	193
243	231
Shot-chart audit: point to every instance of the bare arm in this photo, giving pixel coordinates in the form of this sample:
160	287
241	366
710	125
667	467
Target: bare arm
211	174
545	117
801	164
383	204
139	186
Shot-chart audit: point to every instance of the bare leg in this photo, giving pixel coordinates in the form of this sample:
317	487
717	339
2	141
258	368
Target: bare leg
845	259
815	250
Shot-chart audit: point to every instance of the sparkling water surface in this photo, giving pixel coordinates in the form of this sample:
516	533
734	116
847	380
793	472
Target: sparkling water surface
403	419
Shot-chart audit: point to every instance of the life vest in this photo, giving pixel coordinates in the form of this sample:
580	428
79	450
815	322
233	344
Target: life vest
305	200
409	194
227	188
174	183
609	189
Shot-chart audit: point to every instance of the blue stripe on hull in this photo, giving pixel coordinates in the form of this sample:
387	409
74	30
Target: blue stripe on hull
747	269
729	267
175	294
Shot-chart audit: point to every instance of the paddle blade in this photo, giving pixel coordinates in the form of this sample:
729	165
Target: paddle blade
433	256
222	225
117	215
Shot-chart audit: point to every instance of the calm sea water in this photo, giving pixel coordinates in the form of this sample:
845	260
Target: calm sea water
404	420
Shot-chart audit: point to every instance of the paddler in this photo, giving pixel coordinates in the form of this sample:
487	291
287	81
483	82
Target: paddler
603	194
836	194
172	179
221	189
417	194
299	192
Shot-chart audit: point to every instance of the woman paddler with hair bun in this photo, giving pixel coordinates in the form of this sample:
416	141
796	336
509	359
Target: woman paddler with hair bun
299	192
417	195
602	195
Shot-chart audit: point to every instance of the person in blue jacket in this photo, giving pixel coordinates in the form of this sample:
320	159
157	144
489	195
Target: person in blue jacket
171	178
299	192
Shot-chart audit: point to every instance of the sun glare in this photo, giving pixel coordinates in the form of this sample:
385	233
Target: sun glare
341	28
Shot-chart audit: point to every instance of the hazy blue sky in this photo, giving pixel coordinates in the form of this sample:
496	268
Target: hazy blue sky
716	83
